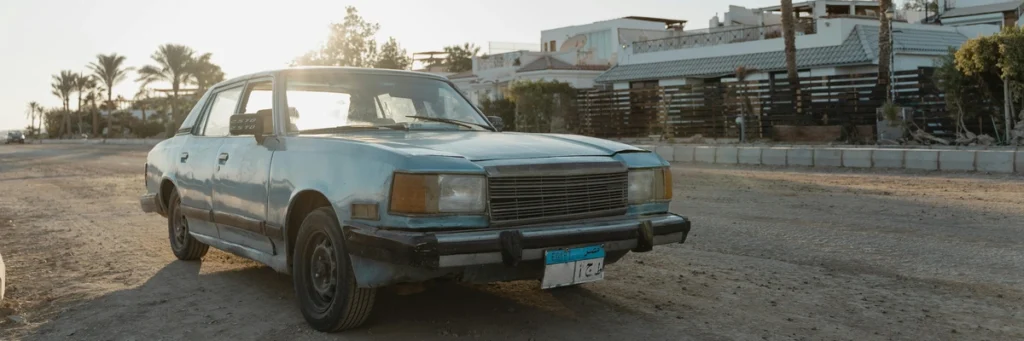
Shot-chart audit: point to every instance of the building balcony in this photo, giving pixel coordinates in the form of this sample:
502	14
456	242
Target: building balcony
720	36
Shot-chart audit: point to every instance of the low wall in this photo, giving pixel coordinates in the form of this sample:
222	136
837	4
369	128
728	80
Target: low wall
137	142
1003	160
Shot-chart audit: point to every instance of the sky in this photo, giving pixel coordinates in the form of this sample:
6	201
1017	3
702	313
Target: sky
39	38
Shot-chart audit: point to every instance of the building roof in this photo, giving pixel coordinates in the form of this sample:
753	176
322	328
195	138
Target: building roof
859	48
983	9
661	20
550	63
913	41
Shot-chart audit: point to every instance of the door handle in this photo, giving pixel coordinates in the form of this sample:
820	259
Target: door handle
223	157
184	156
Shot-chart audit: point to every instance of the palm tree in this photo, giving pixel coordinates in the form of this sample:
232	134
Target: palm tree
110	70
204	73
173	64
884	47
62	86
34	110
789	37
83	84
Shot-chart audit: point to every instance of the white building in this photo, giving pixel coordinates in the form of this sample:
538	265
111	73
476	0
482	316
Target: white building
574	54
833	38
981	12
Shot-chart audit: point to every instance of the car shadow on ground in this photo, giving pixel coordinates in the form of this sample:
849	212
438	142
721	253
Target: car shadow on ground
185	300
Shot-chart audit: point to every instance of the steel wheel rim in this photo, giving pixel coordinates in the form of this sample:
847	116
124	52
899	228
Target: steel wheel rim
322	271
179	231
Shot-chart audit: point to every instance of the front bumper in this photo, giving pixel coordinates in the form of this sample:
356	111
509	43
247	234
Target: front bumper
150	203
509	246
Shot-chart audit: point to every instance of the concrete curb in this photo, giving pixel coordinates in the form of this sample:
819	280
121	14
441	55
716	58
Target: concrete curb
136	142
992	161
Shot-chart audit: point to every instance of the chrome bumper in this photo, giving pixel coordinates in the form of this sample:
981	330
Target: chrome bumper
150	203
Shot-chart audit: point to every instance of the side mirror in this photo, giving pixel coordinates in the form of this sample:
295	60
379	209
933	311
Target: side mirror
497	122
249	124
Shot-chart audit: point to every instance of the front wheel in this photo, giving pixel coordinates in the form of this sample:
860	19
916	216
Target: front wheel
322	274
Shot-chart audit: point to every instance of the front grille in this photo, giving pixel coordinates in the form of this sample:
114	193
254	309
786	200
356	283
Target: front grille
526	199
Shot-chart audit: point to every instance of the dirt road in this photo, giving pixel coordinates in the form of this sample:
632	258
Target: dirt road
775	255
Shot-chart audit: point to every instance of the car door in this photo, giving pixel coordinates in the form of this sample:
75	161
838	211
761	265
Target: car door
242	173
197	159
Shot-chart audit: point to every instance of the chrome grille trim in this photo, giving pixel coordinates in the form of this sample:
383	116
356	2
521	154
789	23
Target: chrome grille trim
543	195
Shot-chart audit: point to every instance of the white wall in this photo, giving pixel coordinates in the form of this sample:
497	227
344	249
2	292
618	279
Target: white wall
831	32
559	35
971	3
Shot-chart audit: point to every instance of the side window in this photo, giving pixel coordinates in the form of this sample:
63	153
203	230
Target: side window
259	96
223	106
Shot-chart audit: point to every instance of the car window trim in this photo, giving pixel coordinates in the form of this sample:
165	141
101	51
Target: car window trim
200	123
200	127
240	108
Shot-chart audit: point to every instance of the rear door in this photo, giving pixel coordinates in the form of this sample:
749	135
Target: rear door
242	173
197	160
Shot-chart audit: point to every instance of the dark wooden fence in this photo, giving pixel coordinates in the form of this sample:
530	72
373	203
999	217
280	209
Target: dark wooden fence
711	109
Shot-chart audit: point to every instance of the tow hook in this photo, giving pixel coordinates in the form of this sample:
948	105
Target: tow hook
645	237
511	247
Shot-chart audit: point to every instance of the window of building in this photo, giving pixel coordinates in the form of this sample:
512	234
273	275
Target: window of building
551	46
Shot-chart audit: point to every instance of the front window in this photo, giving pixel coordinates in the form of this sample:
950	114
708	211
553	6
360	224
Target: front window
323	100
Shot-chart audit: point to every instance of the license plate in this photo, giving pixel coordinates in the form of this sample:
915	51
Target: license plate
565	267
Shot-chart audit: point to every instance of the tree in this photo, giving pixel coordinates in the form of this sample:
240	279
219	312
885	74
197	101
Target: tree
997	63
350	43
885	48
789	35
921	5
392	56
34	110
204	73
110	70
83	84
460	58
173	65
62	85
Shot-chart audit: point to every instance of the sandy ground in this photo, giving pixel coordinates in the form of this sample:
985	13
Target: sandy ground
774	255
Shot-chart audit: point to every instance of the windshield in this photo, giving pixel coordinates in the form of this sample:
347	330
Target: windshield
323	100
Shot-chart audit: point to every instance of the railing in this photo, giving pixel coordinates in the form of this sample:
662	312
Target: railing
719	36
711	109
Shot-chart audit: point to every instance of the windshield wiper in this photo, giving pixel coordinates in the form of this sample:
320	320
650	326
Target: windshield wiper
343	129
451	121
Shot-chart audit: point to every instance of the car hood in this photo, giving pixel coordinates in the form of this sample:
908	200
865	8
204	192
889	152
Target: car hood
483	146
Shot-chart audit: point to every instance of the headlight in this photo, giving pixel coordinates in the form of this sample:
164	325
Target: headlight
652	184
437	193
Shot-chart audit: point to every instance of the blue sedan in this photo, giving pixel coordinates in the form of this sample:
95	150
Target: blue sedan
354	179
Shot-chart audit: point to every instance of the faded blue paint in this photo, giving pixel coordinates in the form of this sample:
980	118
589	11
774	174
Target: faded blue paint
263	180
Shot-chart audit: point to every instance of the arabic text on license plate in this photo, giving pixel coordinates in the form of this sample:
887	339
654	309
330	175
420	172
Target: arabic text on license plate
573	266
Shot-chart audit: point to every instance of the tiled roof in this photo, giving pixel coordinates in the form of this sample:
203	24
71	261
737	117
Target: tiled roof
983	9
549	63
859	48
914	41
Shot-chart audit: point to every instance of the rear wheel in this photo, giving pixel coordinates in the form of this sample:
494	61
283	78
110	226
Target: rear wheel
322	274
184	246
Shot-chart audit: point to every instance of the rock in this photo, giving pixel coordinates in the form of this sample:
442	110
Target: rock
986	140
17	319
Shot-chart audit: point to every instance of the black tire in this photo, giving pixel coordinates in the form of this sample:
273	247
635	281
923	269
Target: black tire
322	275
184	246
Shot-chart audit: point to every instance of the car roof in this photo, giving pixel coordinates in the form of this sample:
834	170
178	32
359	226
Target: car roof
353	70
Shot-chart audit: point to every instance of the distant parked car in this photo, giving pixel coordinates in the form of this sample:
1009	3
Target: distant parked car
355	179
15	137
